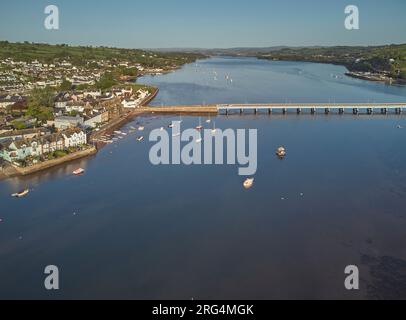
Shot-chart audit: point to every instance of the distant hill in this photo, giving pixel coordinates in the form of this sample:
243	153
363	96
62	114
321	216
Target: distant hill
79	55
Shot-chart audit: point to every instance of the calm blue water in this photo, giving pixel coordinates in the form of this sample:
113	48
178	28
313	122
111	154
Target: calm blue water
260	81
130	230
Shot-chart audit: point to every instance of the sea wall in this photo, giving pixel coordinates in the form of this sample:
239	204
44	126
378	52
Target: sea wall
52	163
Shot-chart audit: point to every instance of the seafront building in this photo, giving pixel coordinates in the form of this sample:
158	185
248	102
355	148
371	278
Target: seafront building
15	151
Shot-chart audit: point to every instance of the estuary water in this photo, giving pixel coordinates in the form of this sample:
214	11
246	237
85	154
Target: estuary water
131	230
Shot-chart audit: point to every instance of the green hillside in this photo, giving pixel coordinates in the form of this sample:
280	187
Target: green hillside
81	55
390	58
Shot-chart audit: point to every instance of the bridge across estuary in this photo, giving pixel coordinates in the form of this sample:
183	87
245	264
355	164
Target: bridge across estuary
298	108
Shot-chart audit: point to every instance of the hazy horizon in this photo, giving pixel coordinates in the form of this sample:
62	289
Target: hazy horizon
201	48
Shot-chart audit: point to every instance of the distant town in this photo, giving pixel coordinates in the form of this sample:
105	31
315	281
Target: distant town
53	99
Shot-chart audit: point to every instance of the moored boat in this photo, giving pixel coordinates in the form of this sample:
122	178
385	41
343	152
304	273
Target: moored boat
199	127
79	171
139	139
249	183
281	152
21	194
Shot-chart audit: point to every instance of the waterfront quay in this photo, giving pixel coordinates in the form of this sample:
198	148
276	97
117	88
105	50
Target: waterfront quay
374	108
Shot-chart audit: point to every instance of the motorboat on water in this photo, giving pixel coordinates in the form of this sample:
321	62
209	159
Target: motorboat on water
141	128
249	183
199	127
139	139
21	194
79	172
281	152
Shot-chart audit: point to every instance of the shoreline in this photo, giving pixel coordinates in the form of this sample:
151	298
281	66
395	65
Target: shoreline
55	162
350	71
14	171
121	121
11	171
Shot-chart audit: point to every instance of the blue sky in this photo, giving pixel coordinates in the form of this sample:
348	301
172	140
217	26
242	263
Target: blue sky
204	23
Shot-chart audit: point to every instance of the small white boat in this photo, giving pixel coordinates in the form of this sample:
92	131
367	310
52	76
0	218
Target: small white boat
248	184
79	171
176	135
214	130
21	194
199	140
171	126
123	134
139	139
162	129
141	128
281	152
199	127
117	132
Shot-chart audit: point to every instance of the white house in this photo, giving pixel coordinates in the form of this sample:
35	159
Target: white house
74	137
97	118
129	104
61	104
77	106
65	122
94	93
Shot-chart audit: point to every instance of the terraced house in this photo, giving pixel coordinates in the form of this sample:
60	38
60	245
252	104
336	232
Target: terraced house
19	150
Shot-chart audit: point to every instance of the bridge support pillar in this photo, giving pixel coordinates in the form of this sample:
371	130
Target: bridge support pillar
299	110
256	111
398	110
241	111
226	112
327	110
370	111
269	111
341	110
313	110
384	110
355	111
284	111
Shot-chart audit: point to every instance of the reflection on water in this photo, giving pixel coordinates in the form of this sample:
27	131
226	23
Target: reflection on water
34	180
127	229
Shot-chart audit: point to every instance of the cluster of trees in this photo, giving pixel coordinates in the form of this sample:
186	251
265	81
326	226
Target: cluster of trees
41	103
106	81
390	58
81	55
